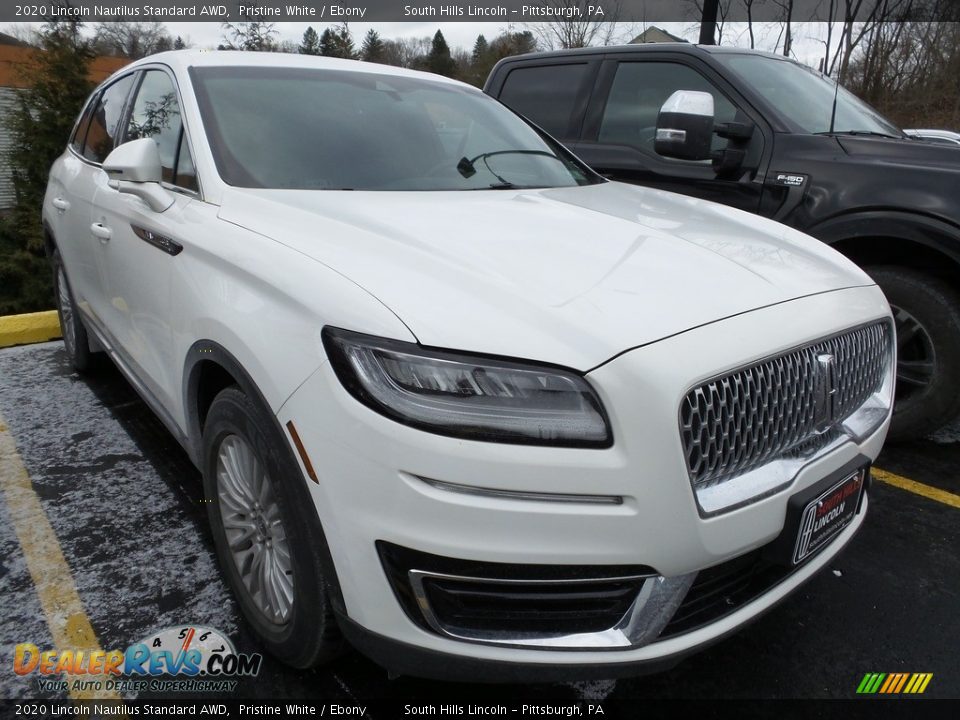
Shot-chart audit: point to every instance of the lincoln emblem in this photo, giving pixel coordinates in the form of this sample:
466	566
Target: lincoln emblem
825	393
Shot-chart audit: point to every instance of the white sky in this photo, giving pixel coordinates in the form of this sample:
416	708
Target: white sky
808	37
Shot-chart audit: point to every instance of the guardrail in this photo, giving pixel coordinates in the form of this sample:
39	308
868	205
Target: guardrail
29	328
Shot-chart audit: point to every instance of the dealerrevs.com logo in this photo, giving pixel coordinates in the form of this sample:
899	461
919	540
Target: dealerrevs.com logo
188	658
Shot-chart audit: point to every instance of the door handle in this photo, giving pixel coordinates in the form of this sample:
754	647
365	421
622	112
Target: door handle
101	231
60	204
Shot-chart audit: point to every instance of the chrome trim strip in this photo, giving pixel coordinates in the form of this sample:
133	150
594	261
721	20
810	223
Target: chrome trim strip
656	602
521	494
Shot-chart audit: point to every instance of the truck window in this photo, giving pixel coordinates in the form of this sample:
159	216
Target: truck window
545	95
639	90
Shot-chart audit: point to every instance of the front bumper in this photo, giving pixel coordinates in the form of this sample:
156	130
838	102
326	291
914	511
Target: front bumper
371	488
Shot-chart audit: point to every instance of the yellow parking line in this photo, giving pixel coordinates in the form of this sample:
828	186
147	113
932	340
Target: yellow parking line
68	622
927	491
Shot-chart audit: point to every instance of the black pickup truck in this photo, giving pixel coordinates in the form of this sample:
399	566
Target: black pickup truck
784	142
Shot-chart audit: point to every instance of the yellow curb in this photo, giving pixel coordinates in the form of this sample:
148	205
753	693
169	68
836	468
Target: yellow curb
29	328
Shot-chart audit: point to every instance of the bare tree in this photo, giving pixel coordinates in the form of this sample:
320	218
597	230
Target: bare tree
857	19
407	52
786	7
573	25
131	39
24	33
749	5
254	35
911	69
713	15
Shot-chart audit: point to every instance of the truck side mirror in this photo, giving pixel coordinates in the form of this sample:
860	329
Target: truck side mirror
685	126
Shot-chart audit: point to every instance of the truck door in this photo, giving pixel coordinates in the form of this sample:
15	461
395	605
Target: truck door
620	127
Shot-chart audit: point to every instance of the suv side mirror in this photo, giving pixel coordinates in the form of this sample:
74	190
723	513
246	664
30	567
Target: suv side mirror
134	168
685	126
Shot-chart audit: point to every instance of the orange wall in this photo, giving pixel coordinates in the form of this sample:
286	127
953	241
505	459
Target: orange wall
12	57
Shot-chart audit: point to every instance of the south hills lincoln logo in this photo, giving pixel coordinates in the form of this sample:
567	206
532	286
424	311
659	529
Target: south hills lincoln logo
894	683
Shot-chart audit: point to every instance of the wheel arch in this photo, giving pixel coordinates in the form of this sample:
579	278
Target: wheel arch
49	241
905	239
208	369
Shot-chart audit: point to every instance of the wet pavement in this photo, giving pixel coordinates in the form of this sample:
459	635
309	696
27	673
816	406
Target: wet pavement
125	505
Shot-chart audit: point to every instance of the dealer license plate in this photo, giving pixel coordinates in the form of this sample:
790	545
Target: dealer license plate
828	514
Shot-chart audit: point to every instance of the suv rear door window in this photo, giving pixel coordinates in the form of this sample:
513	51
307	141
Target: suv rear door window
80	132
104	125
546	95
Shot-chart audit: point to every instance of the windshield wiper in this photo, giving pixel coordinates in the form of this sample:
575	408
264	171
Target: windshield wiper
871	133
467	166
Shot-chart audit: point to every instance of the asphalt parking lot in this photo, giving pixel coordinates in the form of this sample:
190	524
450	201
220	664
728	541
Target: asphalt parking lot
125	509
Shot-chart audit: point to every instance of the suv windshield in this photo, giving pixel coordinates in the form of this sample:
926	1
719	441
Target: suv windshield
805	97
341	130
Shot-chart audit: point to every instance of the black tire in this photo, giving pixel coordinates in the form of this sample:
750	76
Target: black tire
75	339
927	312
309	635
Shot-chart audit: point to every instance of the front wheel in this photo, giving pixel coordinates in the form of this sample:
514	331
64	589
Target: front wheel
267	533
926	312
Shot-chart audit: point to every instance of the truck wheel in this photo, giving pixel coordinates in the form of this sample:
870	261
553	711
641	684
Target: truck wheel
267	533
927	315
75	340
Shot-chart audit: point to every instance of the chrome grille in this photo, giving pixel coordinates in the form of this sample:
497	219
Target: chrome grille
738	422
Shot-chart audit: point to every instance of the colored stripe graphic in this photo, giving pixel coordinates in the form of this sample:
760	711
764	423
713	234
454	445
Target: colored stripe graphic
894	683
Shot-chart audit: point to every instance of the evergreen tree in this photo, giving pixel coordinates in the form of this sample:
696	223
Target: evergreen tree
439	60
338	43
480	64
373	47
179	44
480	49
39	125
327	43
310	45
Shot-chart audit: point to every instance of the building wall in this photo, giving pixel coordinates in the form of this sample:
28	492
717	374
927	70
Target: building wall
7	100
12	60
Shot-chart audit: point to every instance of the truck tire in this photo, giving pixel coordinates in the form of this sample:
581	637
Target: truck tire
927	314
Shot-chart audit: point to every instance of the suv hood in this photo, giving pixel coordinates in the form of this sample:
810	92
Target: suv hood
572	276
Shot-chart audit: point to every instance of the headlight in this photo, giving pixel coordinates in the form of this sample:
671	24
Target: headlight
465	396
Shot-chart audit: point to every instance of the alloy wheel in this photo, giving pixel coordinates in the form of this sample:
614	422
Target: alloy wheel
916	355
66	311
254	530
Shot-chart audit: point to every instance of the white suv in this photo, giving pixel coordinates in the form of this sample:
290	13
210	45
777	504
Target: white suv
454	396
